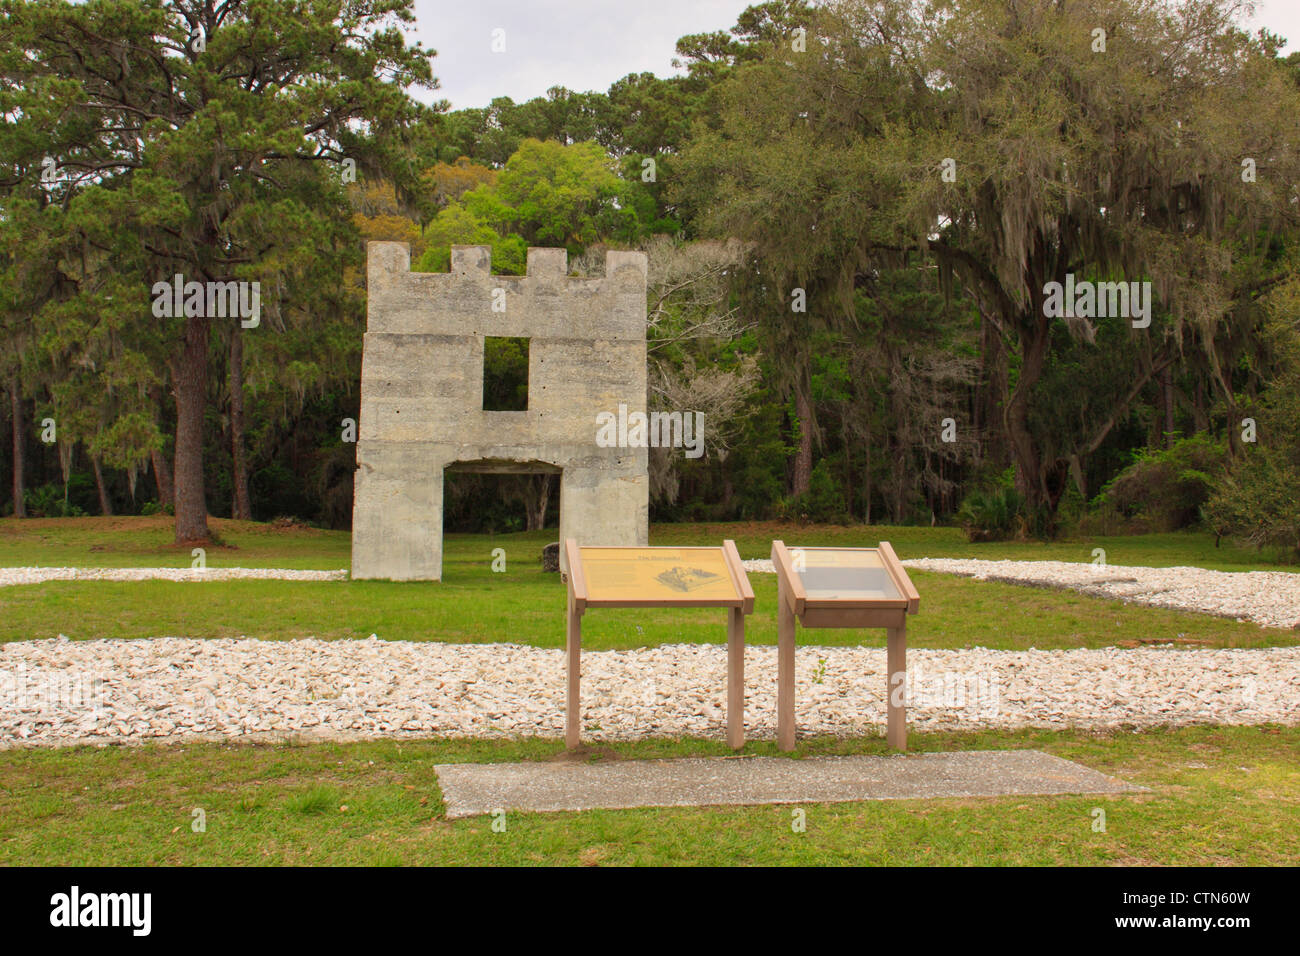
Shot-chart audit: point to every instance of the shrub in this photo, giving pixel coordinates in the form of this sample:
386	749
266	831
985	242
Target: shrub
823	502
1258	502
47	502
1165	489
993	514
1257	499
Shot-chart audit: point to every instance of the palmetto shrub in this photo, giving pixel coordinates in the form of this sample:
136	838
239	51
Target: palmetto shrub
993	514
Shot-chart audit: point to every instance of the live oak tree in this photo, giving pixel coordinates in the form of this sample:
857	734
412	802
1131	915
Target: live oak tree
1013	143
1107	155
782	164
207	139
696	357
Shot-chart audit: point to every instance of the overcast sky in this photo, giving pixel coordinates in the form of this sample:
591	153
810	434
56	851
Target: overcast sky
588	44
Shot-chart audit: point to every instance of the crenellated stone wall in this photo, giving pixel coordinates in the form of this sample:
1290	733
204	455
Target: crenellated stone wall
422	398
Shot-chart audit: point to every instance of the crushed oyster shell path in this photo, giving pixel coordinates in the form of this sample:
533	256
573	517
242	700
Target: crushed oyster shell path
169	687
59	692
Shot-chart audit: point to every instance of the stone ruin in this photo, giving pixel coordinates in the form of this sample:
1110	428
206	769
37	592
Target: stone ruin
422	398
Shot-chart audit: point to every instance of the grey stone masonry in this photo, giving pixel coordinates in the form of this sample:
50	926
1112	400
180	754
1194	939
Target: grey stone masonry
422	398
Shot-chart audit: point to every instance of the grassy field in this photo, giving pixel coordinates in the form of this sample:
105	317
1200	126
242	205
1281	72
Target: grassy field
1218	796
473	604
138	542
147	542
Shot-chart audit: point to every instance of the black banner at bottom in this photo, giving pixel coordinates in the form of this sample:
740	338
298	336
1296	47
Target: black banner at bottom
304	906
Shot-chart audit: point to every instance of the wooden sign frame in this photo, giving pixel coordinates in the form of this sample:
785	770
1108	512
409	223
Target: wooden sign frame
890	613
582	597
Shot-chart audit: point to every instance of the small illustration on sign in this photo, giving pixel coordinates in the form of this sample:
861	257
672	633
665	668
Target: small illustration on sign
685	579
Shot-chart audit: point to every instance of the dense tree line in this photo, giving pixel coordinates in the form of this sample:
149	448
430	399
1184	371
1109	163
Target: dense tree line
856	214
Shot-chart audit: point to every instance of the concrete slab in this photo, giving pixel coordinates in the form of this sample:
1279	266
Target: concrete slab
472	789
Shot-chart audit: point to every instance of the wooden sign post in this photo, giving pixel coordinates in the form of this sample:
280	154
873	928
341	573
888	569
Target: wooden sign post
842	587
659	577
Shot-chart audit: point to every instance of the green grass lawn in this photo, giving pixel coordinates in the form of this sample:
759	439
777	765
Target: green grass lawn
1218	796
1184	548
138	542
147	542
527	607
524	605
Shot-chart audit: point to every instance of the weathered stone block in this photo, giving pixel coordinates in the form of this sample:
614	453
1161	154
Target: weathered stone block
422	398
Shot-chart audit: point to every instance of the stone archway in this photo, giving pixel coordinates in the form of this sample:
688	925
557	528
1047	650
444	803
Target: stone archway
536	508
423	409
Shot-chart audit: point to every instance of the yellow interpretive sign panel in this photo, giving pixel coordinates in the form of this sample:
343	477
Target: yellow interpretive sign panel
675	576
659	577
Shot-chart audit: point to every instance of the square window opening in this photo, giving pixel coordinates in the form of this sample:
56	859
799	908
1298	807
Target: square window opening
505	374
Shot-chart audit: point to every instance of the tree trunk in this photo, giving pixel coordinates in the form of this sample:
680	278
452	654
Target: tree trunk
105	505
847	483
1079	476
162	468
1230	401
1167	395
190	378
866	473
1199	415
242	507
1031	481
16	404
992	395
537	501
803	458
899	469
162	476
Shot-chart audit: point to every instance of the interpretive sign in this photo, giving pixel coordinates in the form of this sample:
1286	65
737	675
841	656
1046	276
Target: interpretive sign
643	577
659	577
842	587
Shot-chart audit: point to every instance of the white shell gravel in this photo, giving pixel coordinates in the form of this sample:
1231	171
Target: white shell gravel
59	691
38	575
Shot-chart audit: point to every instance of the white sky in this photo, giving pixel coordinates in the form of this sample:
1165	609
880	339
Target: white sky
580	44
1280	16
588	44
